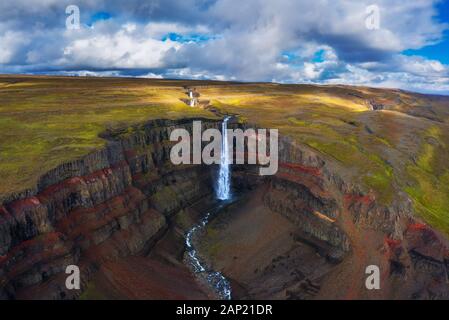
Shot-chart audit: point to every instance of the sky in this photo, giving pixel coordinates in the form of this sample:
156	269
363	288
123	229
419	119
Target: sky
381	43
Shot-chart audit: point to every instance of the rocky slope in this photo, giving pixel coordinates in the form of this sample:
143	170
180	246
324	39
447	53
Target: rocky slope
108	205
117	202
412	257
336	219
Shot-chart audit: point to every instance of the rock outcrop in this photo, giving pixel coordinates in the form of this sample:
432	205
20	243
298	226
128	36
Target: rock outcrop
118	201
310	191
110	204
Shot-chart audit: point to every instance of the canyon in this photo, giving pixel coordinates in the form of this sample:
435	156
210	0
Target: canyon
121	215
110	205
93	186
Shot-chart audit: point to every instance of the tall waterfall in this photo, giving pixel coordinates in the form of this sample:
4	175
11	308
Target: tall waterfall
216	280
224	176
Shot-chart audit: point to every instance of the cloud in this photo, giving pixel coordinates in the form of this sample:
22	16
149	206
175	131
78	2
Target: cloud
253	40
11	41
125	48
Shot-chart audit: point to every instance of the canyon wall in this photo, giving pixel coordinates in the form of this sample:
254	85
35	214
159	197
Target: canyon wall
314	193
110	204
118	201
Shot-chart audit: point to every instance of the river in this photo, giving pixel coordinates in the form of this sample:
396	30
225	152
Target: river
215	279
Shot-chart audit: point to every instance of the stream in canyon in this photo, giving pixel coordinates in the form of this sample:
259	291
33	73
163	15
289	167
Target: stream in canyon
215	279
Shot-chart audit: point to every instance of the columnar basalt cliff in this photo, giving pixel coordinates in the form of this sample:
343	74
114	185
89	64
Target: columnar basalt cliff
119	201
310	191
110	204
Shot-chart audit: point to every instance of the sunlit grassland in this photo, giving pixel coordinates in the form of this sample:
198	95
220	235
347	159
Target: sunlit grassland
46	121
327	124
376	147
430	188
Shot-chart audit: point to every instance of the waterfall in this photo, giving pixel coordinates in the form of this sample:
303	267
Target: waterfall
215	279
224	176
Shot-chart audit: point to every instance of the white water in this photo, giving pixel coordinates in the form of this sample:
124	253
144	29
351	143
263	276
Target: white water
224	176
215	279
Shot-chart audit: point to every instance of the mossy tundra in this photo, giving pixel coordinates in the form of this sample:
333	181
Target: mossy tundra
45	121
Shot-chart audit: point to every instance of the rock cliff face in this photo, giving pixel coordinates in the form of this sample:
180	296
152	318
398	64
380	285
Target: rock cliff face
118	201
110	204
412	257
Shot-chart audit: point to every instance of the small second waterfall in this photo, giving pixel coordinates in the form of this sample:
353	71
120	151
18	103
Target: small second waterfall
224	175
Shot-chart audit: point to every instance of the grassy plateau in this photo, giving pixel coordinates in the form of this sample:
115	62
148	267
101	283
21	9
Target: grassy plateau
45	121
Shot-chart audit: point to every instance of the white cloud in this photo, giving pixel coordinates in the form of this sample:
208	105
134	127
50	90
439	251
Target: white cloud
311	71
88	73
420	66
10	43
128	47
249	41
151	75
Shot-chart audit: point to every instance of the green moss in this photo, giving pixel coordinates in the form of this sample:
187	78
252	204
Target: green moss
430	197
183	220
425	160
430	187
372	171
60	119
92	293
297	122
384	141
341	151
47	121
210	244
165	196
213	250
